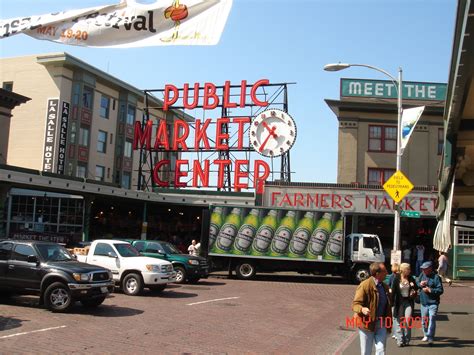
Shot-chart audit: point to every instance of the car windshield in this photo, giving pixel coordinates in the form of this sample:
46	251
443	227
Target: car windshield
126	250
53	252
170	248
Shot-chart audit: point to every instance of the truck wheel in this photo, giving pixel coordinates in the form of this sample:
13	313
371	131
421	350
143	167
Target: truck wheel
180	275
245	270
132	284
362	273
157	288
58	298
93	302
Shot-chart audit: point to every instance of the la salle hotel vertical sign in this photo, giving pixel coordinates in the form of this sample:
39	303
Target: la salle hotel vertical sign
50	134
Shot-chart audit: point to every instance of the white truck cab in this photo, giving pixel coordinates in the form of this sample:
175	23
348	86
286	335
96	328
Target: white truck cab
130	269
362	250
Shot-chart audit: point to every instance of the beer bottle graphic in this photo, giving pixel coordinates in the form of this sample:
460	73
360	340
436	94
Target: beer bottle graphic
246	233
263	238
281	240
301	236
333	250
319	238
227	233
216	223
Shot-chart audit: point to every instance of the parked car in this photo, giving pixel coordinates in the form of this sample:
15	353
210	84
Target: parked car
48	270
130	270
188	268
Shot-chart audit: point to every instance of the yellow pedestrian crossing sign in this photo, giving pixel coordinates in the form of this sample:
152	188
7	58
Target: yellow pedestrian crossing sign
398	186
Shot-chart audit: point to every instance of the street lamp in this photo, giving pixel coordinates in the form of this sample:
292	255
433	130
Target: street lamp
398	85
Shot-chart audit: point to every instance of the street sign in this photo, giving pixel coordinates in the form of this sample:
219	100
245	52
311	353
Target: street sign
395	257
410	214
398	186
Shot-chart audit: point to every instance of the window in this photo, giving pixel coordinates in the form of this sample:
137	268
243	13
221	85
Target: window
103	249
99	173
81	171
84	136
102	142
382	138
465	237
104	106
140	246
154	248
73	133
128	149
440	140
131	114
126	180
76	90
5	250
355	244
87	97
8	85
378	176
22	252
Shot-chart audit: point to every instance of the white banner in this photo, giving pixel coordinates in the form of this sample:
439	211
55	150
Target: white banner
410	117
129	24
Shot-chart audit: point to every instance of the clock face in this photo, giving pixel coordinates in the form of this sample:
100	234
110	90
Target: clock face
272	132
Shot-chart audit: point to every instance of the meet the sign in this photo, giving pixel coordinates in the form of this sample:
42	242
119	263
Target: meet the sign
386	89
50	134
63	137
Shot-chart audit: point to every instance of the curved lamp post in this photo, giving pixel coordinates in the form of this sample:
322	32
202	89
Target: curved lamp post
398	85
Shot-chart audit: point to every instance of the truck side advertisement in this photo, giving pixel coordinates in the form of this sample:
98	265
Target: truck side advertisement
276	234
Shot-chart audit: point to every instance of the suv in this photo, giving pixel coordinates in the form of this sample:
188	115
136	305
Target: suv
48	270
188	268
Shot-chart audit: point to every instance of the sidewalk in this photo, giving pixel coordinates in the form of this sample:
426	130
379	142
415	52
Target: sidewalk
454	330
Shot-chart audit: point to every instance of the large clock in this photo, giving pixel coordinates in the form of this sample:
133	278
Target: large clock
272	132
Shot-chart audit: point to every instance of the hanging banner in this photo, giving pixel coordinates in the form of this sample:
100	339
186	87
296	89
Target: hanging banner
50	135
410	117
129	24
63	137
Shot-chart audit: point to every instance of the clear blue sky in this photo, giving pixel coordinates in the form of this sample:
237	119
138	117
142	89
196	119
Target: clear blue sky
283	41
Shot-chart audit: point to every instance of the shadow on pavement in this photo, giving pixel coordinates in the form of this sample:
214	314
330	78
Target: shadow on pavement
449	342
209	283
106	311
174	294
21	301
7	323
314	279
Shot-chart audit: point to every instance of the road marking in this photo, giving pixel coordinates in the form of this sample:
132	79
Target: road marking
33	331
214	300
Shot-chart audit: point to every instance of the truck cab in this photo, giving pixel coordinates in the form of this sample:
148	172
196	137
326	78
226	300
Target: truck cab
362	250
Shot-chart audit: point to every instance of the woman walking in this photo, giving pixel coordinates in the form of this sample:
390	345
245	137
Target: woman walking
404	293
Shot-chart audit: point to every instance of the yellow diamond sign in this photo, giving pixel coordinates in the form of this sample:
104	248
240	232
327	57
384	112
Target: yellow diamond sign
398	186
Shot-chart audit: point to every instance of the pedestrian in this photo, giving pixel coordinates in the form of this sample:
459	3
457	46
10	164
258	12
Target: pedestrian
192	250
372	307
404	292
395	272
443	262
431	289
406	253
420	257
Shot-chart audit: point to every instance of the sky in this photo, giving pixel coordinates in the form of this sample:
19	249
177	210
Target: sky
283	41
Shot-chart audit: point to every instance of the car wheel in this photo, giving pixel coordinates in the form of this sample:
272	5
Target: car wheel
193	280
157	288
132	284
58	298
180	275
245	270
93	302
361	274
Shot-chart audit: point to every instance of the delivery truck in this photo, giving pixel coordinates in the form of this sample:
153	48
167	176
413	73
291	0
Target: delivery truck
261	239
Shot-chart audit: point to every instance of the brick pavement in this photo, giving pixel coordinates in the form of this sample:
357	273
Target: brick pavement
300	315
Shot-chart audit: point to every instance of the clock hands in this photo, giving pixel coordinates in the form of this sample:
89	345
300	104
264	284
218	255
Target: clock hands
271	130
272	134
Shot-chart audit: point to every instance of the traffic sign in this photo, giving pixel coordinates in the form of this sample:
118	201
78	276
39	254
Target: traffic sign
411	214
398	186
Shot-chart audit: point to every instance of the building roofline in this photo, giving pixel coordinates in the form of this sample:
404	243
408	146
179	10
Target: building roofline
12	99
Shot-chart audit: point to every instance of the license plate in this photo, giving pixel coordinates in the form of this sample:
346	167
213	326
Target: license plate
104	289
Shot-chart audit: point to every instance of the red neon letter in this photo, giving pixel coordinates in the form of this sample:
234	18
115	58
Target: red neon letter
220	179
274	194
200	134
162	136
243	93
180	140
144	137
156	170
202	174
240	138
259	180
227	103
210	92
167	101
220	135
241	174
253	92
186	96
178	173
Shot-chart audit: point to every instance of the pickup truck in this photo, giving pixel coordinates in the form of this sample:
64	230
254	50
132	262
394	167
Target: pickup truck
130	269
188	268
49	271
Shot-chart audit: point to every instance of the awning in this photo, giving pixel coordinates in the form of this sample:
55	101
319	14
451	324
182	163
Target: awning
442	235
